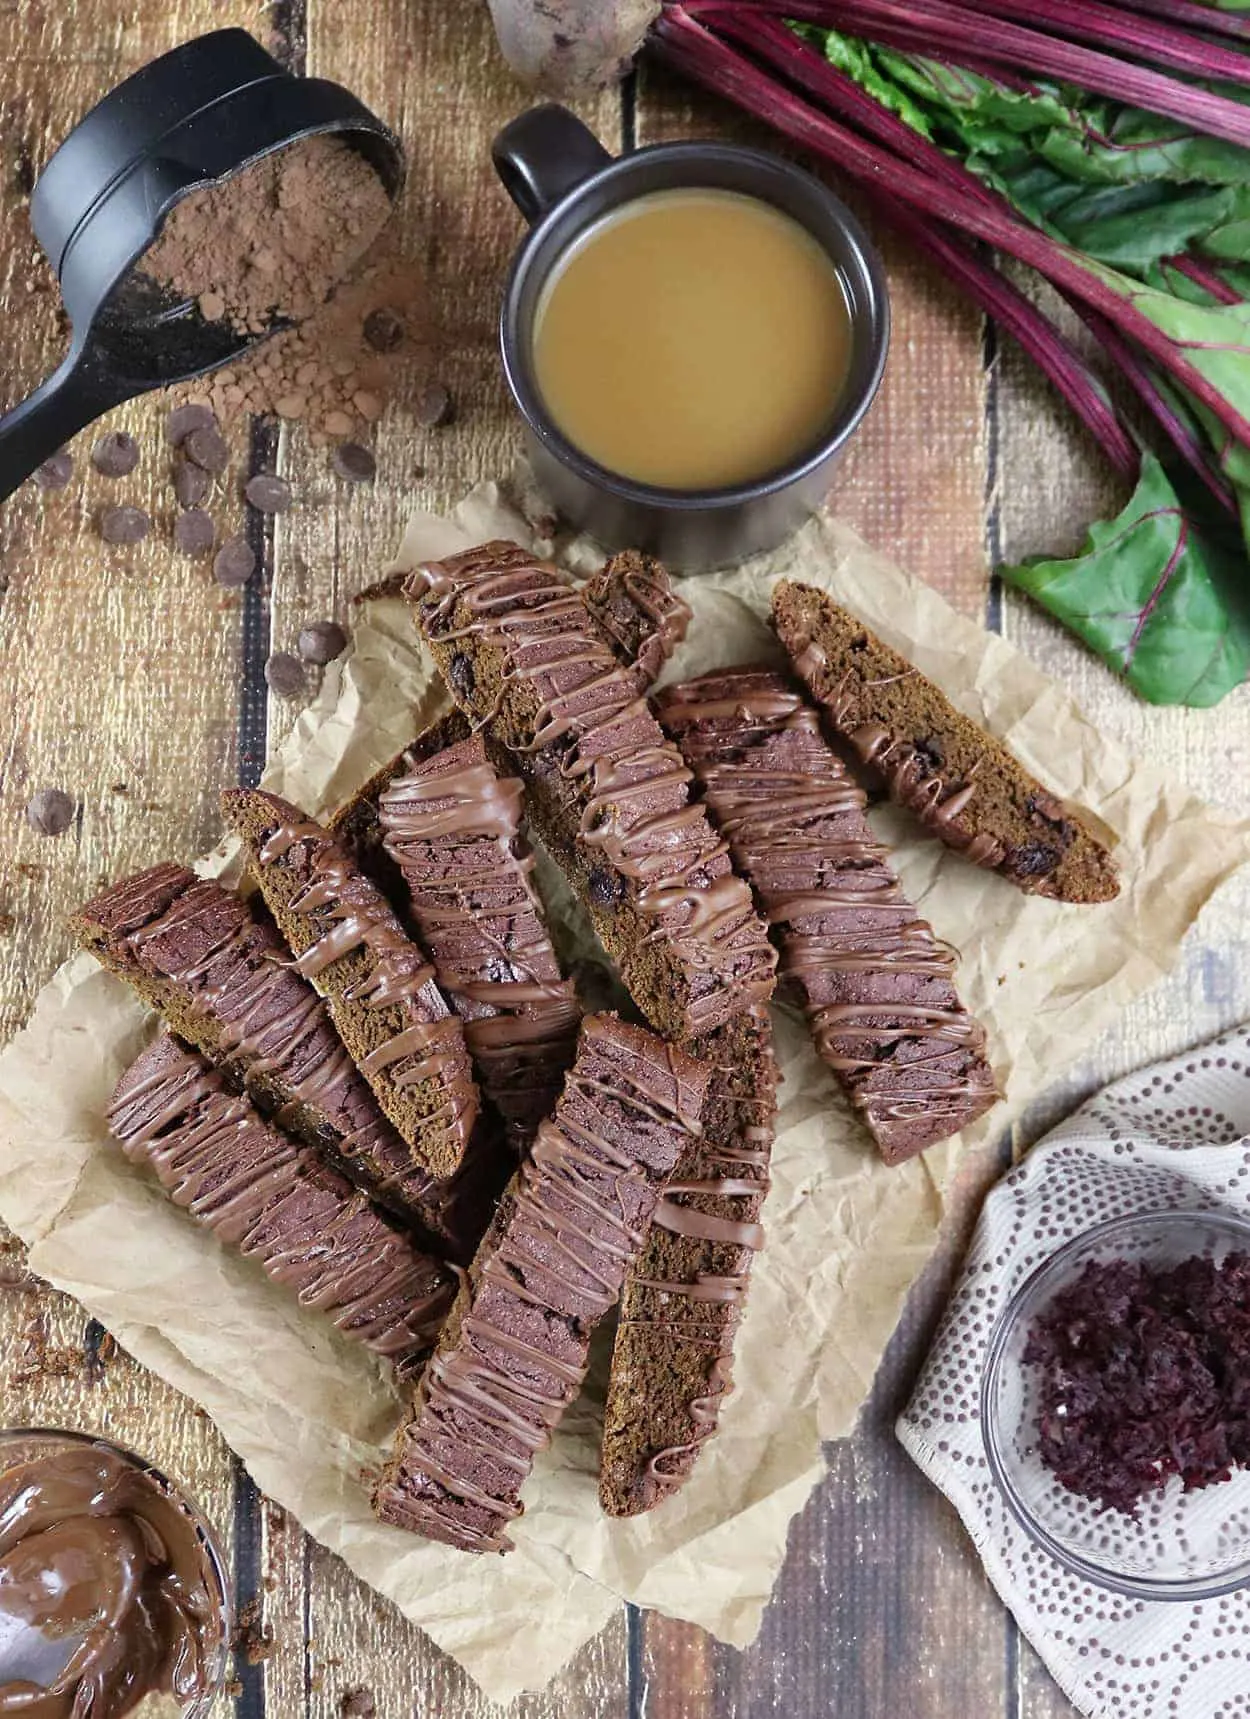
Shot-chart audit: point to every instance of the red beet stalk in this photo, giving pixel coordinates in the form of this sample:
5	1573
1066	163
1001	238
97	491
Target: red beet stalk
1189	14
921	175
942	28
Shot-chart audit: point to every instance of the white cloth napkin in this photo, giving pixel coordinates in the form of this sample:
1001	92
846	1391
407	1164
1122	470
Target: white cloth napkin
1172	1135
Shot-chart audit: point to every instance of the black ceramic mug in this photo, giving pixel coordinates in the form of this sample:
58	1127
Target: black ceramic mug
562	180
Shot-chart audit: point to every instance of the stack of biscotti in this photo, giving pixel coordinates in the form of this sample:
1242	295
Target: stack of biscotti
607	793
514	1351
876	983
310	1230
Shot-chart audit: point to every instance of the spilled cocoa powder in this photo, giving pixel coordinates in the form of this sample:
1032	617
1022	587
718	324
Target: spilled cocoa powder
272	241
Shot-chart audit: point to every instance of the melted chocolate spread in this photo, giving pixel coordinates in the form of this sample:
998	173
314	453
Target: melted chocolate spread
106	1591
873	975
574	1219
350	914
216	1157
910	776
236	973
625	781
452	825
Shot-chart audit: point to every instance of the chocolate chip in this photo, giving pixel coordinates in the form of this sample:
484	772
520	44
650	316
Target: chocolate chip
235	562
56	472
383	329
285	674
322	641
268	494
1044	810
194	532
183	419
123	525
434	407
50	811
460	674
930	755
1032	859
191	484
605	888
115	455
353	462
206	448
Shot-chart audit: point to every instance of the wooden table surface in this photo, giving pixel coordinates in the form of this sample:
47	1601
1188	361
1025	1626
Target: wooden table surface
134	682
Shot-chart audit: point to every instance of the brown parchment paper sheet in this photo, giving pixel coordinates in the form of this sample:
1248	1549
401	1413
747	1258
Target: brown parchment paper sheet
846	1237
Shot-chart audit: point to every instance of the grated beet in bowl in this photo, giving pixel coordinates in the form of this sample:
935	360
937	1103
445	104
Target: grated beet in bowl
1143	1372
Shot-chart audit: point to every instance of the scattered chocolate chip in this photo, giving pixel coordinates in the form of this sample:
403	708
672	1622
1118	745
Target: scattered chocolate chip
115	455
383	329
434	407
358	1704
235	562
191	483
322	641
124	524
605	888
55	472
183	419
268	494
285	674
354	463
206	448
50	811
194	532
460	674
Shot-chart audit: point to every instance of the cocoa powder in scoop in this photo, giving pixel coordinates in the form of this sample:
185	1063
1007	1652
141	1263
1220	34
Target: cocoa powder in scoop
273	240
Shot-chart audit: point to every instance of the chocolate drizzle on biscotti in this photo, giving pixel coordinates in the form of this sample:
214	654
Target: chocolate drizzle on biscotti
633	603
608	793
672	1364
453	827
379	986
962	783
515	1349
224	982
876	983
308	1228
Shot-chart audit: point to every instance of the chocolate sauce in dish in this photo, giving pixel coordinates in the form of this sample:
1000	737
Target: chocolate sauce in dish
109	1588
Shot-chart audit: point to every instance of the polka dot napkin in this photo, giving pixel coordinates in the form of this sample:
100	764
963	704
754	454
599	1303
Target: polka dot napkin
1173	1136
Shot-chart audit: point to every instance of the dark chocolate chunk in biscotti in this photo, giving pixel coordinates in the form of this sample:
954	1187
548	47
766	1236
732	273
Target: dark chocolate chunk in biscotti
960	781
309	1229
452	825
380	987
876	983
222	978
672	1362
605	791
514	1350
634	605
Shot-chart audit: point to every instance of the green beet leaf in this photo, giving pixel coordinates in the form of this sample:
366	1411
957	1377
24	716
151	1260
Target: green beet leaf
1156	601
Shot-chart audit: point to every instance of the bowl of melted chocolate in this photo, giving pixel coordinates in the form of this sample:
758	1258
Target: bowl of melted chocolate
113	1590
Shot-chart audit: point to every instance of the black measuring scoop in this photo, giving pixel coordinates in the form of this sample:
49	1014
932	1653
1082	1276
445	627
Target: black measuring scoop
198	114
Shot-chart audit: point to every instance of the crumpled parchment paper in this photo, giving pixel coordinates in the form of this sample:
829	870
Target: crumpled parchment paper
846	1237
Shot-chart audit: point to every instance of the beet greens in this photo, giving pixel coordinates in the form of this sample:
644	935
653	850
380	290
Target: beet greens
1105	144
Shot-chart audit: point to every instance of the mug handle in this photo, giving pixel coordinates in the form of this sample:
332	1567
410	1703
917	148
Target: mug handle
544	154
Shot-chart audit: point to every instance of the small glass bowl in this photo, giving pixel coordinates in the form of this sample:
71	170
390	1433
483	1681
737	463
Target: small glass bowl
1178	1545
25	1444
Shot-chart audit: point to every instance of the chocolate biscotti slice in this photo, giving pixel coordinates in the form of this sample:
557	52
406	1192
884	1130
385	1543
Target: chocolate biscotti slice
223	980
632	602
605	791
876	983
380	988
672	1363
962	783
514	1350
452	825
218	1158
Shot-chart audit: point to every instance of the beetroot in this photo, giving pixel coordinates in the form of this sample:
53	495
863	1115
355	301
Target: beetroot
1144	1373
